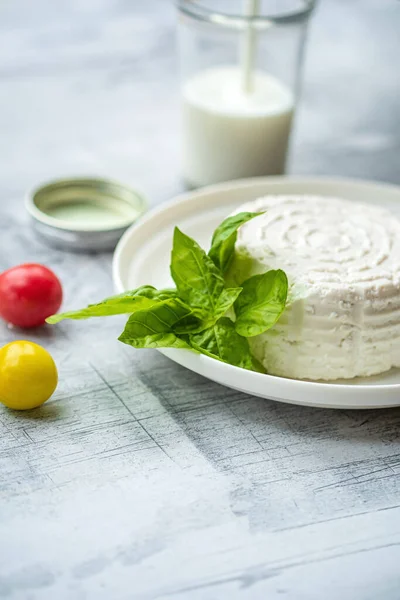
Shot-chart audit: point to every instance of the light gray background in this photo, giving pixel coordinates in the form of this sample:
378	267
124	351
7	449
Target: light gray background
139	479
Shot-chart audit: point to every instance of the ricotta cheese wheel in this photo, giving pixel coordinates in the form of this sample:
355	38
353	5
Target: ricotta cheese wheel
342	260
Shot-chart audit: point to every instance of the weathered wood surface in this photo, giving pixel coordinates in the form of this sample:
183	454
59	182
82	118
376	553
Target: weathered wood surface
139	479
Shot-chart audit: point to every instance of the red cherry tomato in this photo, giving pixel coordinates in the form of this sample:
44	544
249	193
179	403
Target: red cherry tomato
29	294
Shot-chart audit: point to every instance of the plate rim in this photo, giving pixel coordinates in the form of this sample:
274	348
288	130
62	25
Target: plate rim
184	197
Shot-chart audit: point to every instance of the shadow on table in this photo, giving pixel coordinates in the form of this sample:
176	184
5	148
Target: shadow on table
50	411
203	407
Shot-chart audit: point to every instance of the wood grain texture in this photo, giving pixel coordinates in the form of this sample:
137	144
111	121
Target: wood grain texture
138	479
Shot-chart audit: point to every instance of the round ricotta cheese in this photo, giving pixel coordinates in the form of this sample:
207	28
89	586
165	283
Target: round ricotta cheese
342	260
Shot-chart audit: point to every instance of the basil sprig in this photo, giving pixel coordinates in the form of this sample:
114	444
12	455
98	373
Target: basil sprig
196	315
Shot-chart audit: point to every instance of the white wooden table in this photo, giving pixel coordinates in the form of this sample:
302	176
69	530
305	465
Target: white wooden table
140	480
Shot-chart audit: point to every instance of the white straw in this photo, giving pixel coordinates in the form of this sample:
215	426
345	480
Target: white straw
248	49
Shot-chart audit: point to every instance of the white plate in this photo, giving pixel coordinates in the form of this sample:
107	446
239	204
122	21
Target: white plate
143	255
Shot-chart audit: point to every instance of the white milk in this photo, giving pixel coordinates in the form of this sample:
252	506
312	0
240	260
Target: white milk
229	134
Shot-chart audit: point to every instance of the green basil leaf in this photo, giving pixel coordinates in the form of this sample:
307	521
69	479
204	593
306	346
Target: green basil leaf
156	340
107	308
221	341
154	327
125	303
198	320
191	323
199	282
226	300
148	291
261	303
224	239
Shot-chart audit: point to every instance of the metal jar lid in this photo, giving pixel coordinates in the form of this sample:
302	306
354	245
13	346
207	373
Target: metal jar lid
83	214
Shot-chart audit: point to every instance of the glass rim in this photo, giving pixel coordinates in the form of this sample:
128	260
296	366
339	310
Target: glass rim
191	8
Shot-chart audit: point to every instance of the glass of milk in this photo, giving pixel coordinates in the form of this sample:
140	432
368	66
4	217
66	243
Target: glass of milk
240	63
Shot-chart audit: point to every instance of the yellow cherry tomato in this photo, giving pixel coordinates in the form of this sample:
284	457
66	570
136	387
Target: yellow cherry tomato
28	375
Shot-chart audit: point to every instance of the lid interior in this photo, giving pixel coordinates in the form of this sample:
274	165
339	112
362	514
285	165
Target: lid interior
87	205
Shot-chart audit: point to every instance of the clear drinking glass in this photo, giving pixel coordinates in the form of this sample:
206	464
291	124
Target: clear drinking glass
240	65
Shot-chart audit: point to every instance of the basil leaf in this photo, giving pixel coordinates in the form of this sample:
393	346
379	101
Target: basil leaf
221	341
199	282
224	239
192	323
156	340
198	320
261	303
125	303
153	328
227	298
107	308
148	291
